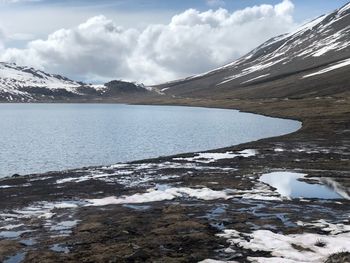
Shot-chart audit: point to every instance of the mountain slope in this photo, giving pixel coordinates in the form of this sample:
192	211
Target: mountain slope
24	84
312	61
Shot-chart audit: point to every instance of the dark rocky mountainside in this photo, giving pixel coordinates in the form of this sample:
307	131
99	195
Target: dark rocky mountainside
312	61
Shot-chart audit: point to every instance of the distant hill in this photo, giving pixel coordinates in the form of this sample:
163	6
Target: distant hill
25	84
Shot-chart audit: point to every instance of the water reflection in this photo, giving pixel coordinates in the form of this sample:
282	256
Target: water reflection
287	184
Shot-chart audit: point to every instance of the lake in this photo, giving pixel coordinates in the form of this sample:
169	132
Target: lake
36	138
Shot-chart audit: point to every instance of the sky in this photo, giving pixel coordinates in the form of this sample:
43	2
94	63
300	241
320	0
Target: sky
148	41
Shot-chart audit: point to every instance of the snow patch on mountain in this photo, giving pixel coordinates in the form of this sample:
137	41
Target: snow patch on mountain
14	77
335	66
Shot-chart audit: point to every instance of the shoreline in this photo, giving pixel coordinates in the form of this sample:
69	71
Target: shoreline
18	175
191	207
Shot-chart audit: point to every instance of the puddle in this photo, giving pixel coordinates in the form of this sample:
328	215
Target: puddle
64	226
11	234
162	187
138	207
19	257
287	184
214	217
28	242
59	248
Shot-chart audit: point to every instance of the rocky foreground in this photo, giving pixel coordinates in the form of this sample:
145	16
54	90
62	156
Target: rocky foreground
193	207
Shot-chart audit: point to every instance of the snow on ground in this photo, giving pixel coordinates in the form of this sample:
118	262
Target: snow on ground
161	194
333	229
335	66
344	9
212	157
93	176
307	247
259	77
264	64
38	210
11	226
5	186
279	150
260	191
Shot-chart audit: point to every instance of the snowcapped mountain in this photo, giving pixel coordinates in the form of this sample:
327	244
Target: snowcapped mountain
25	84
313	60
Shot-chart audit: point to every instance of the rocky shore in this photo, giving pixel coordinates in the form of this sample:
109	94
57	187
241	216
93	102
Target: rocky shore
197	207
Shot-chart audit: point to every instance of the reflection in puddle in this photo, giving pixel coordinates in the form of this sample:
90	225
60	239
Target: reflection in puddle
215	217
11	234
64	226
340	189
288	185
28	242
138	207
59	248
19	257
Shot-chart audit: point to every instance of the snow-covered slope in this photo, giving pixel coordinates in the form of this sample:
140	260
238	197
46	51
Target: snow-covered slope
319	49
24	84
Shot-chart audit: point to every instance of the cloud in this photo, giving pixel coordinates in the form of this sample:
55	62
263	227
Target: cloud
192	42
2	39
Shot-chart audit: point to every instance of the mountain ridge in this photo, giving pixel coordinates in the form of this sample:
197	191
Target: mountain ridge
311	61
319	48
26	84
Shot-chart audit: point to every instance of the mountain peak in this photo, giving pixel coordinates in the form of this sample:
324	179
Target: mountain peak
27	84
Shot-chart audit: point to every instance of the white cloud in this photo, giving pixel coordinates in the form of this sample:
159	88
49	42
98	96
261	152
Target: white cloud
20	36
2	39
286	7
192	42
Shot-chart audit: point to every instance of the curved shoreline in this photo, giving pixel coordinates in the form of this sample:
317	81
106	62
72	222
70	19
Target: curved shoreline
17	175
181	209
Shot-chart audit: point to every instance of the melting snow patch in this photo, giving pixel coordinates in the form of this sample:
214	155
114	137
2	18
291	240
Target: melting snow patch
94	176
288	248
50	216
338	65
212	157
161	194
259	192
333	229
257	78
43	210
279	150
5	186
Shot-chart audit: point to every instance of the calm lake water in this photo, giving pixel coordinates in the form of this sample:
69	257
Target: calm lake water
37	138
